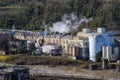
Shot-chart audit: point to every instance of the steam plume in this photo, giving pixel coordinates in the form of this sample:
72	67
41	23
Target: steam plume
69	23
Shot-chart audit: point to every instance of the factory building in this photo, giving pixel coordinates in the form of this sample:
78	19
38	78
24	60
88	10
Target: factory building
90	42
69	44
17	46
98	40
86	44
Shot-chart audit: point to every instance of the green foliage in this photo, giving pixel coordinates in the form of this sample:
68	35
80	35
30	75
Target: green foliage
31	14
99	56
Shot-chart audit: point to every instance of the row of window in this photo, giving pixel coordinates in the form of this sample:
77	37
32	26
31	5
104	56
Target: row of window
62	41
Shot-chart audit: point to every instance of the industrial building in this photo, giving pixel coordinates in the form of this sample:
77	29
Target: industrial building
86	44
14	73
111	53
9	44
18	46
98	40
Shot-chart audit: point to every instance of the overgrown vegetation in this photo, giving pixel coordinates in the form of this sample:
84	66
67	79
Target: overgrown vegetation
4	57
46	60
33	14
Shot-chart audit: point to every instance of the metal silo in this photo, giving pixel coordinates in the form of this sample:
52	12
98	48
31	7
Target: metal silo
109	52
104	54
92	48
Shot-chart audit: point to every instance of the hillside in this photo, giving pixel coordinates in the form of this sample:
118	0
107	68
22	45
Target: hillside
35	14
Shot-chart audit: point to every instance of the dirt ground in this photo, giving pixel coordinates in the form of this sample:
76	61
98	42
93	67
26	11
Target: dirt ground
46	60
57	78
57	68
74	72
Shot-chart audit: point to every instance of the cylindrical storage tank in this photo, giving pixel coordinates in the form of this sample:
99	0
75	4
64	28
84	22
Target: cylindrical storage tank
101	30
109	52
92	48
104	55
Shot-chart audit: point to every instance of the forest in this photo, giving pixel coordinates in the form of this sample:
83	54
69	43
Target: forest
36	14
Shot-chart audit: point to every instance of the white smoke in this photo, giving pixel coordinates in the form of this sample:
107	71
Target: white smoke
69	23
